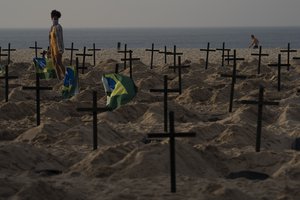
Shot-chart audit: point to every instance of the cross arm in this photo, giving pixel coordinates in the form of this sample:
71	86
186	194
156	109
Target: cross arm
128	59
70	49
9	77
34	88
257	54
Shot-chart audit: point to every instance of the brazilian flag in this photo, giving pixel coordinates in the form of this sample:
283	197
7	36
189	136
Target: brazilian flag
70	87
44	67
119	89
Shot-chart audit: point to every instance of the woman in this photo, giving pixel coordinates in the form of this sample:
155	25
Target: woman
56	44
254	42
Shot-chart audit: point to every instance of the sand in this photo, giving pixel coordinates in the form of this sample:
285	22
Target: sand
55	160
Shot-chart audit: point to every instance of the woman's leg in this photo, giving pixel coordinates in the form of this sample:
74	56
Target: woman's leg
60	65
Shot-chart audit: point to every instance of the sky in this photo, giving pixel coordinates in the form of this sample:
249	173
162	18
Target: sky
150	13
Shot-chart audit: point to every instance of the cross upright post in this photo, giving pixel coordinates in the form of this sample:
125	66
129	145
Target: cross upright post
165	91
223	49
233	77
36	48
6	77
72	49
260	104
180	67
166	53
288	51
94	50
9	50
84	55
278	65
130	59
172	135
95	110
37	89
260	54
207	50
152	50
125	52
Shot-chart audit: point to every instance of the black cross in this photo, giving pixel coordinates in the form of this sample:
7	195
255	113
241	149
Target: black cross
130	59
95	110
166	53
77	71
207	54
84	55
152	52
174	53
172	135
234	76
38	89
179	66
117	68
94	50
36	48
9	49
288	51
166	91
1	54
278	65
72	49
125	54
260	54
260	104
6	77
119	45
223	52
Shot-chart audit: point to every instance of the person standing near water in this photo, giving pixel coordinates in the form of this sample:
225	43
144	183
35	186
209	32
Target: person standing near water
254	42
56	44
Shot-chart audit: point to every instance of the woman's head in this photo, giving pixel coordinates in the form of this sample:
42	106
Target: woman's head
55	14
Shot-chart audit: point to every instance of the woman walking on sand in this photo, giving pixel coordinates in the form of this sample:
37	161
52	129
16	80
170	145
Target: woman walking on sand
254	42
56	44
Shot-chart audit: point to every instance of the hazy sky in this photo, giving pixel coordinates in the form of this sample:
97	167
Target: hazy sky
150	13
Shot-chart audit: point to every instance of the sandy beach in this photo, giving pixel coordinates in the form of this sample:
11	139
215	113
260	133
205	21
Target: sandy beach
55	160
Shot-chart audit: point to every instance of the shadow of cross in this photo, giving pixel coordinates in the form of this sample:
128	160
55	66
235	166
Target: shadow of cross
278	65
166	92
172	135
72	49
259	54
9	50
95	110
288	51
233	77
152	50
260	104
207	54
37	89
180	67
6	77
94	50
130	59
84	55
36	48
223	49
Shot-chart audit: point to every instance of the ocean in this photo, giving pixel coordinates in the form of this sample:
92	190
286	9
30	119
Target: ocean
270	37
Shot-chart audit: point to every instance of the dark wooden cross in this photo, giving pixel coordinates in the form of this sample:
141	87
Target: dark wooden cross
9	49
175	53
117	68
260	54
166	53
130	59
179	67
95	110
37	89
288	51
2	54
125	52
36	48
84	55
165	91
72	49
6	77
172	135
233	77
260	104
207	54
152	52
94	50
278	65
223	49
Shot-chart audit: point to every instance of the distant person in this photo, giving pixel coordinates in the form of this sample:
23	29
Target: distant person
254	42
56	44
